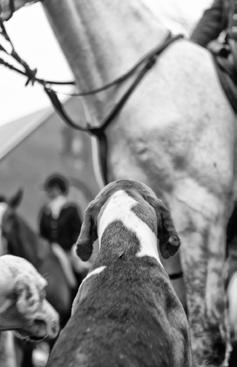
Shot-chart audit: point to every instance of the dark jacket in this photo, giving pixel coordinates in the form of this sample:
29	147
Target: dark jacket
213	22
64	230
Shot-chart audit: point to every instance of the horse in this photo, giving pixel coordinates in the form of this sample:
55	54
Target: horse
24	242
21	240
176	133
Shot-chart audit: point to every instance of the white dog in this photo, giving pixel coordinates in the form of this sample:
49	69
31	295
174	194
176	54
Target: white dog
23	306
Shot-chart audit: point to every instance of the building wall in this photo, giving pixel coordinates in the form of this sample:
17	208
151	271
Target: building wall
53	147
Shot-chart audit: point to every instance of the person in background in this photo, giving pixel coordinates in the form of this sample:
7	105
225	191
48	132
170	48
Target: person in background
220	16
60	222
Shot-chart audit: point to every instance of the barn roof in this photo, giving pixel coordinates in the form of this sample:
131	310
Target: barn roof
13	133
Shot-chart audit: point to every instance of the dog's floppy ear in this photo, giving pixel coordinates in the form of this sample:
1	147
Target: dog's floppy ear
87	236
16	199
167	235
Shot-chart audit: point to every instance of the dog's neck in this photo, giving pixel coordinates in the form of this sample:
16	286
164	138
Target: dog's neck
120	224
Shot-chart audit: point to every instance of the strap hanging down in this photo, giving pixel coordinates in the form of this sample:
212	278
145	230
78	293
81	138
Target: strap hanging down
143	65
99	132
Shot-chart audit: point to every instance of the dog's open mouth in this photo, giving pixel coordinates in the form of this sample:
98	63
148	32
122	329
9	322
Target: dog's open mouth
37	339
33	338
36	333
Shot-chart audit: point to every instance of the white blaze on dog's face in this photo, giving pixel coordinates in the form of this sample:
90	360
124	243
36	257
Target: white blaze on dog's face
122	207
134	201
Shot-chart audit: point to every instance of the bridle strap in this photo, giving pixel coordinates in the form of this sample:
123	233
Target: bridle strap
143	65
149	60
99	132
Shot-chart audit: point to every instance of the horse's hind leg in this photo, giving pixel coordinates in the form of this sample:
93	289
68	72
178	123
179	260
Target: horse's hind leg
27	356
202	232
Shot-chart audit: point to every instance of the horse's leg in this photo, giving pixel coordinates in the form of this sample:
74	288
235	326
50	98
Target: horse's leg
203	261
27	354
233	357
19	351
7	350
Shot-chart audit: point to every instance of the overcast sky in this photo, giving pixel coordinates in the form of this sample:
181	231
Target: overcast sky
35	42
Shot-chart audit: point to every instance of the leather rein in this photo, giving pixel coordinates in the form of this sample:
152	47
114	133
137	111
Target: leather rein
143	66
99	132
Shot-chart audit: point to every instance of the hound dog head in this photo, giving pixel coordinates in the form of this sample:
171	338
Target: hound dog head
139	194
23	306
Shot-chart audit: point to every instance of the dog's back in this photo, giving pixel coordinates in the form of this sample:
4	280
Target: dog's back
128	316
126	312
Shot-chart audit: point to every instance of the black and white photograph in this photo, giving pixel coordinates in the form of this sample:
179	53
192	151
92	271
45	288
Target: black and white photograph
118	183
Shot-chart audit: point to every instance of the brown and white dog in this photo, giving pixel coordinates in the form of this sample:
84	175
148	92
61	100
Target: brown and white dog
126	312
23	306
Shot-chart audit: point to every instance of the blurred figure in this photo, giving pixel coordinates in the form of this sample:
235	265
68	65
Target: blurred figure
232	274
60	222
221	19
221	16
232	282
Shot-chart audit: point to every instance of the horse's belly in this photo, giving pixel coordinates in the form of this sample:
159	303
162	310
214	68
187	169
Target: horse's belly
169	158
178	128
